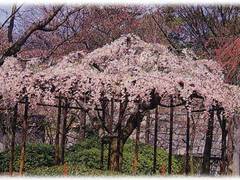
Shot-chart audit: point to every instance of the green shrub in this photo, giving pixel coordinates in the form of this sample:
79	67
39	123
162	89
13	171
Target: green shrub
145	162
87	153
83	158
37	155
73	170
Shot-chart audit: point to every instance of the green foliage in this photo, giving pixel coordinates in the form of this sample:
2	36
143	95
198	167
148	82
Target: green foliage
87	153
37	155
73	170
145	162
83	158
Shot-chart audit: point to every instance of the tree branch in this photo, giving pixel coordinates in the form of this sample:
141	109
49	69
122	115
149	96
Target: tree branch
16	47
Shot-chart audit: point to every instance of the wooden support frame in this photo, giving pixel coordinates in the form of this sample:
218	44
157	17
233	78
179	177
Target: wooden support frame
13	131
222	121
102	154
155	141
57	137
111	119
64	123
187	165
170	137
136	150
208	145
24	137
171	106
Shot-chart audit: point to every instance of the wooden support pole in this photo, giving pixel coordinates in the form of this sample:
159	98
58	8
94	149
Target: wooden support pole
64	123
187	166
83	120
102	154
57	149
170	138
82	133
110	130
13	129
24	138
111	116
155	141
136	150
102	139
109	154
208	145
223	123
147	129
119	138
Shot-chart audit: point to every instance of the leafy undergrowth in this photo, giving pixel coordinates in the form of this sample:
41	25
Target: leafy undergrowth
37	155
71	170
84	159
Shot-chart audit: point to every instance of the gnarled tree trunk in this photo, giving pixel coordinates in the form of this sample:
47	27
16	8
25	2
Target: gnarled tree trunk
116	155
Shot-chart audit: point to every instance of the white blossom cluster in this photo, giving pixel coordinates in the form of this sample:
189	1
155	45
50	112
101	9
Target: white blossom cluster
127	66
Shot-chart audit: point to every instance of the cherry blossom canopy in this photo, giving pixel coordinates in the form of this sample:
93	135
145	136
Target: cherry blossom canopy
126	67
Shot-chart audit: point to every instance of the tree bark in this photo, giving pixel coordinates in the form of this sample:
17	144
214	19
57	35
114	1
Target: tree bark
24	138
116	154
13	127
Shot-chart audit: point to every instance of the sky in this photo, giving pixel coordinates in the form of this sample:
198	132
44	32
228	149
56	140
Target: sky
4	8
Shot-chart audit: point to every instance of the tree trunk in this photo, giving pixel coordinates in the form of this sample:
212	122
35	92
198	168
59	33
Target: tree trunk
13	127
116	154
57	149
24	138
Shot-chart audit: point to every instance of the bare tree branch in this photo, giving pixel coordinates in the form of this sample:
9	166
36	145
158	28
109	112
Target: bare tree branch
39	25
12	14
